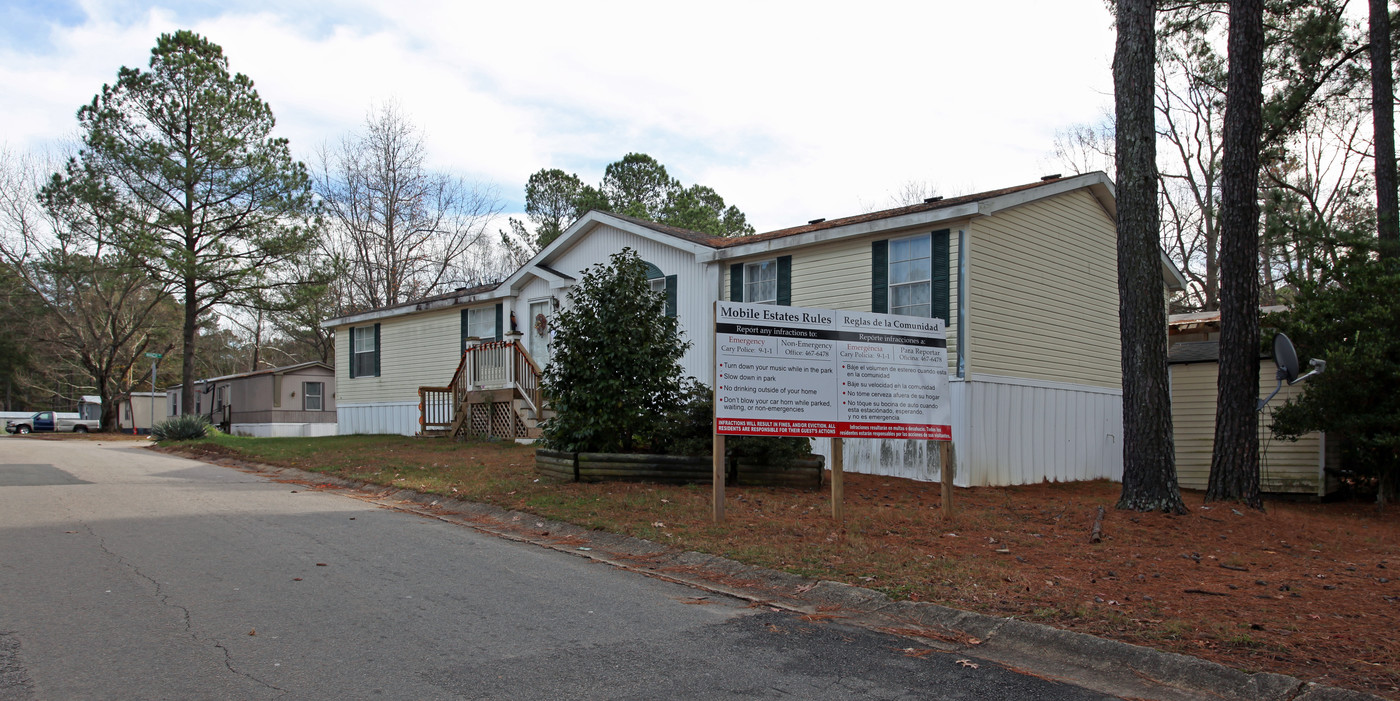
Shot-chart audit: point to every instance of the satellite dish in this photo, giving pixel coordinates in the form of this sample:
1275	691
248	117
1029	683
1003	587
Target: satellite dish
1286	358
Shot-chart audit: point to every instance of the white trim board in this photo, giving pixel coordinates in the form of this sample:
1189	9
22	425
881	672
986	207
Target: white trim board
1043	384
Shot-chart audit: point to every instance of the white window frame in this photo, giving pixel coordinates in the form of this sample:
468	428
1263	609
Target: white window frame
758	283
481	323
922	309
658	285
363	349
319	394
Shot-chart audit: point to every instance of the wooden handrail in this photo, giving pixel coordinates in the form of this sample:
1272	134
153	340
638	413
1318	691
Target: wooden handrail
512	366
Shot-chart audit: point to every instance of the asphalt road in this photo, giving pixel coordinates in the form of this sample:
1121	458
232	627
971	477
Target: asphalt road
127	574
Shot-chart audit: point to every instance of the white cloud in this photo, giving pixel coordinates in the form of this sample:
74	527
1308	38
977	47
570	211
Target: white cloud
791	111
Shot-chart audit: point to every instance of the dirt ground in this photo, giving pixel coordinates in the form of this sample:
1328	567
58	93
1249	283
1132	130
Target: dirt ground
1306	589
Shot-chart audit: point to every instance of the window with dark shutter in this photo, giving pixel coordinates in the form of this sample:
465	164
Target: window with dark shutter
879	276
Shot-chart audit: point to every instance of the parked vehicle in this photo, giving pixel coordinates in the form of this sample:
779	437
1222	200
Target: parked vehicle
48	422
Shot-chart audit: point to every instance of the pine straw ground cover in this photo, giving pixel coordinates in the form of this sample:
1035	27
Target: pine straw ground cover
1306	589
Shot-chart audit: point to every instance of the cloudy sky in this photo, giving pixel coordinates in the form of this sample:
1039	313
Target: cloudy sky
790	110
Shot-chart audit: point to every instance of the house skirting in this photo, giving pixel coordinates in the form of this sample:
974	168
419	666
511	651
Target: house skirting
1006	431
281	430
378	418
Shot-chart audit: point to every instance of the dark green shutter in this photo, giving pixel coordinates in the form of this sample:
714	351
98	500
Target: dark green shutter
465	325
941	279
671	295
500	316
350	346
785	281
880	276
377	350
736	282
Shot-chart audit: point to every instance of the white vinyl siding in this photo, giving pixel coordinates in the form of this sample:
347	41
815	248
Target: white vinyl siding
418	350
695	286
1043	293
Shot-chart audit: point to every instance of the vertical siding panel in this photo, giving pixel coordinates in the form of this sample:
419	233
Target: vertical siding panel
1064	404
1028	459
1004	439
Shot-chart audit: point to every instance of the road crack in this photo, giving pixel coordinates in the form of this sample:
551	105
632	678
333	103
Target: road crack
187	618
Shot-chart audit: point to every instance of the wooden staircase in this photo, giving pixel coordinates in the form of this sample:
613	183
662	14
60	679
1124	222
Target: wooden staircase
495	392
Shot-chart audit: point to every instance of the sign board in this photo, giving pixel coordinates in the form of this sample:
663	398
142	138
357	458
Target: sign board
153	355
793	371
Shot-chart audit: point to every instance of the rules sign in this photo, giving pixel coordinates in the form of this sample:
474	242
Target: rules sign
792	371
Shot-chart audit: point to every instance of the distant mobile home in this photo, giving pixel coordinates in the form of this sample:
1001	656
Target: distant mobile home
1025	277
1193	357
295	400
135	411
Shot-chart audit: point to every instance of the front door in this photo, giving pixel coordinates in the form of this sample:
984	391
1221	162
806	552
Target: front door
539	332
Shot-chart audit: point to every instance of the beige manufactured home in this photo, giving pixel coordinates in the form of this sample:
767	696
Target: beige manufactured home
138	410
1291	467
1025	277
295	400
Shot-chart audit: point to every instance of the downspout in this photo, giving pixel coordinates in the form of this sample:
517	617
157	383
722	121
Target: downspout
962	303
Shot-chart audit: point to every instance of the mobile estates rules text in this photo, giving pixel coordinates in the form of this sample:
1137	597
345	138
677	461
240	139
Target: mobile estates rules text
790	371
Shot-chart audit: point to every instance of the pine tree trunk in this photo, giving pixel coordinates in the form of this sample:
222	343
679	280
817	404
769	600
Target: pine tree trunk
1234	467
187	337
1383	116
1149	458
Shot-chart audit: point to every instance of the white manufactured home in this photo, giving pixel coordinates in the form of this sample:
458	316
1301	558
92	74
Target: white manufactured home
1025	277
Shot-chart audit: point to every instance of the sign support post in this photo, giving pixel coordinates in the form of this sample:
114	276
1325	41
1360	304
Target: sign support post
825	373
945	476
155	358
838	495
717	440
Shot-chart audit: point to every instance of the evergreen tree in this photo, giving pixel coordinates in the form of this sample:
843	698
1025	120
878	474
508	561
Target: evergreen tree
1234	466
1149	461
616	367
1350	318
181	159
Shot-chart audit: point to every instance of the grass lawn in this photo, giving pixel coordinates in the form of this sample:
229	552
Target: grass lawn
1311	590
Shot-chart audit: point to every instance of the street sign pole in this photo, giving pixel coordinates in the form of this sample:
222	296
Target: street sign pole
155	359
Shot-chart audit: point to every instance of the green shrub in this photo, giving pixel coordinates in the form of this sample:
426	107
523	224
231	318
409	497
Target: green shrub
687	428
185	427
1350	317
616	360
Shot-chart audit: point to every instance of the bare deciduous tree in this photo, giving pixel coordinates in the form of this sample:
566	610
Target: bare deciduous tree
99	310
404	231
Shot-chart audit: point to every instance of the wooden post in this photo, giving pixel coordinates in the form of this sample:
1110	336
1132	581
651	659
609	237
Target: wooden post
945	476
838	464
717	446
718	477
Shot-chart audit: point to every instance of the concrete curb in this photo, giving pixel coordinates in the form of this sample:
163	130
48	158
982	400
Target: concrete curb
1107	666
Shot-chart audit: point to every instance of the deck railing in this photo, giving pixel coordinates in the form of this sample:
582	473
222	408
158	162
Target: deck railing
489	365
